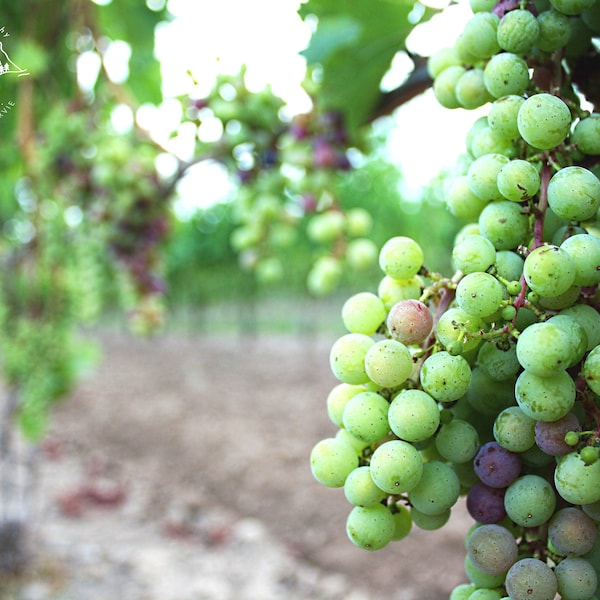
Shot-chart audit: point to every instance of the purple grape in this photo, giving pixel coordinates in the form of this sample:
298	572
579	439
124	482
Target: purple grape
550	435
486	504
496	466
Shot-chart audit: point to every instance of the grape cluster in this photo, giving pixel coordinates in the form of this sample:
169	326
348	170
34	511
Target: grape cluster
485	385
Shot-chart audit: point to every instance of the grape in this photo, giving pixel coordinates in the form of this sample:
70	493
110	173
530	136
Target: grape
457	325
473	253
402	522
445	377
444	86
498	360
514	430
584	250
347	358
486	594
549	270
506	74
442	59
479	294
361	253
531	579
457	441
409	321
388	363
593	511
360	489
518	180
325	227
586	134
492	549
578	335
489	397
591	370
574	194
572	7
331	461
509	265
481	579
504	224
577	579
370	528
337	399
550	435
572	532
495	466
437	491
483	173
392	290
518	31
480	35
502	116
544	121
545	398
363	313
365	416
486	504
401	257
545	349
576	481
589	318
359	222
396	467
358	445
470	89
414	415
555	30
461	201
529	500
488	141
429	522
324	276
462	591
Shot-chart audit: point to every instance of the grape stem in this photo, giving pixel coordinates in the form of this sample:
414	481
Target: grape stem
542	205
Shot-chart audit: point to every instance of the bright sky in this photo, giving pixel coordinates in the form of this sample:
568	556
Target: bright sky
208	38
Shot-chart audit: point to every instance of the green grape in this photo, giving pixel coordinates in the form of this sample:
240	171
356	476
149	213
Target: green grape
363	313
549	270
487	396
445	377
545	398
414	415
572	7
402	521
509	265
572	532
544	121
437	491
504	225
359	222
331	461
492	549
554	32
396	466
444	86
370	528
365	416
462	591
461	200
325	227
457	325
589	454
483	173
498	360
392	290
347	358
529	500
324	276
584	250
480	35
561	301
591	370
481	5
473	253
586	134
589	318
531	579
479	294
481	579
457	441
337	399
502	116
388	363
591	17
358	445
361	253
574	194
470	89
579	40
518	31
544	349
577	333
401	257
360	489
486	594
488	141
576	481
518	180
441	60
577	579
506	74
514	430
429	522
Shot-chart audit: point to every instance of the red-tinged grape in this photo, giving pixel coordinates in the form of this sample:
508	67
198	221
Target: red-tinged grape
409	321
486	504
496	466
550	435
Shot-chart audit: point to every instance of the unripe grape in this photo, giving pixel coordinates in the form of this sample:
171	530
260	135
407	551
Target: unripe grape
586	134
554	31
502	117
518	180
480	35
549	270
518	31
401	257
506	74
572	7
471	91
574	193
444	86
544	121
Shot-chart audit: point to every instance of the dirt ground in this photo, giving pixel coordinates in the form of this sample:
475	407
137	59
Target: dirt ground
179	470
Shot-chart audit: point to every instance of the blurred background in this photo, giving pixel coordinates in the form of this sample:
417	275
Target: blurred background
189	192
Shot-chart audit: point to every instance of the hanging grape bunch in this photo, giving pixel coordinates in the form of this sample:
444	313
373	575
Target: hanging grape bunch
486	384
